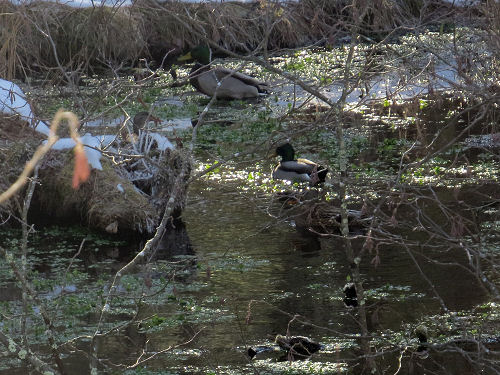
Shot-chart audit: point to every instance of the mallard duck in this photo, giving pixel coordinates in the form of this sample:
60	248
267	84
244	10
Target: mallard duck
262	350
298	346
297	170
141	119
233	85
351	297
422	335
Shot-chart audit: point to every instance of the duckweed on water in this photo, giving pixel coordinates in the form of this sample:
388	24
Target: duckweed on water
72	296
392	292
479	324
301	367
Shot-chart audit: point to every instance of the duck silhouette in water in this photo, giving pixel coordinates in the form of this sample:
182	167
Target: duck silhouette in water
296	347
351	297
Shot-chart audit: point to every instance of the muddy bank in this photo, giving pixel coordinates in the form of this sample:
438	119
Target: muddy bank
109	201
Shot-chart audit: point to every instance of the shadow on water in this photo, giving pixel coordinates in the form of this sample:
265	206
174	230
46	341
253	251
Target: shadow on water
174	243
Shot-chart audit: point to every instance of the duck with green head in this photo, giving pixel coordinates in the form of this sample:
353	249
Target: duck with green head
297	170
220	81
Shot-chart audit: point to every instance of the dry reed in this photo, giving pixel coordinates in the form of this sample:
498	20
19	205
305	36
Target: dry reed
54	39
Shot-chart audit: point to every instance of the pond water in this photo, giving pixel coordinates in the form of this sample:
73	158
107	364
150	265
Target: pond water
237	271
242	277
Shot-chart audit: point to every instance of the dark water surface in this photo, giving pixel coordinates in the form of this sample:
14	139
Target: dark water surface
249	277
258	278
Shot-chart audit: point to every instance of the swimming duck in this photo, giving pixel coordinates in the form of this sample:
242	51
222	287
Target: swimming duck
233	85
422	335
297	170
351	297
298	346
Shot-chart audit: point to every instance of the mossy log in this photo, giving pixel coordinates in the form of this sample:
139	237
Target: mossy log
108	200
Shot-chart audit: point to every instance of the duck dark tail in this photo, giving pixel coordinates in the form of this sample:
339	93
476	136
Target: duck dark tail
322	172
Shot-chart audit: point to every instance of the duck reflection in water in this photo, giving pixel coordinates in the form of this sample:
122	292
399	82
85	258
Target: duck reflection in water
296	348
308	245
175	242
176	248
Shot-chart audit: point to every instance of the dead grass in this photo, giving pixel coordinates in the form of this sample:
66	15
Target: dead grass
49	38
97	203
17	144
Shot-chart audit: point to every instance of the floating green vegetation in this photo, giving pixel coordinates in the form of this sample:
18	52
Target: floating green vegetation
74	296
300	367
245	176
190	312
61	234
250	128
392	292
478	325
391	149
263	367
236	263
389	338
147	371
438	173
319	66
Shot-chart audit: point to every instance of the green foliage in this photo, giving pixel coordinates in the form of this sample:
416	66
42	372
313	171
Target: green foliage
229	139
295	65
326	80
155	321
78	305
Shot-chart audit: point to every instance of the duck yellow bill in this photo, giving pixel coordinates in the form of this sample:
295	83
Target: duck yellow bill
185	57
